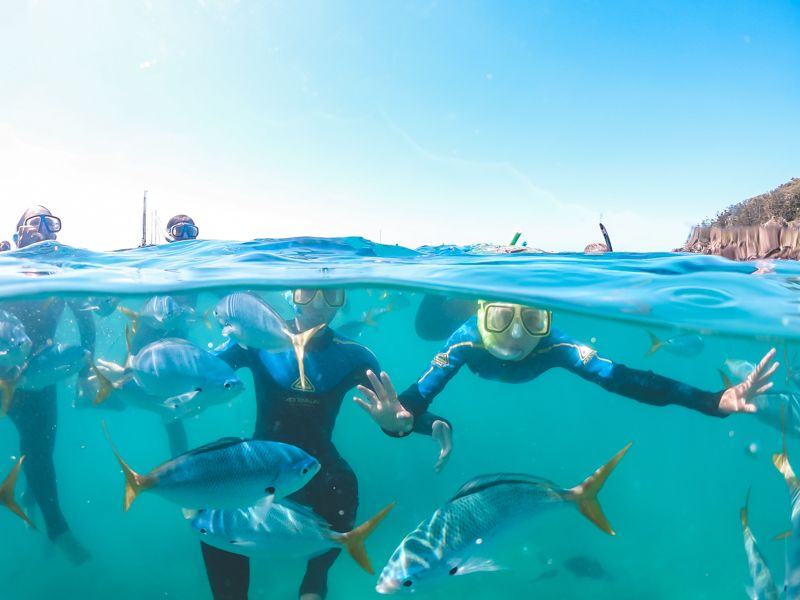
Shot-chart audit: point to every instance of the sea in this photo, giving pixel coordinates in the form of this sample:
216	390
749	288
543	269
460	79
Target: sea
674	500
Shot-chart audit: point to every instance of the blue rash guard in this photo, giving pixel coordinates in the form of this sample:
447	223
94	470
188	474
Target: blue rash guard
305	418
555	350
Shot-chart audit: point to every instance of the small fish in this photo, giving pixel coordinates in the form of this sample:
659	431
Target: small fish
102	306
7	493
253	323
175	369
763	587
51	365
161	313
739	368
586	566
792	577
281	529
451	541
772	404
686	345
15	345
228	473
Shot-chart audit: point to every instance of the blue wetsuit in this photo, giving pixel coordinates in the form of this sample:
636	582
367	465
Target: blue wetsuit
305	418
555	350
35	412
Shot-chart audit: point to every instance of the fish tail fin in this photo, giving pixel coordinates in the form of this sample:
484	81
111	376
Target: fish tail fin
7	493
134	483
726	381
7	388
132	315
585	494
743	511
353	541
299	341
784	535
207	318
781	461
105	387
655	344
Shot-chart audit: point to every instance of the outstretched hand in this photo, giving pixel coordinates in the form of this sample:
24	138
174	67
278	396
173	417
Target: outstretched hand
382	405
738	398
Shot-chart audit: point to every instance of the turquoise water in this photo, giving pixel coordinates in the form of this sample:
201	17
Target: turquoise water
674	500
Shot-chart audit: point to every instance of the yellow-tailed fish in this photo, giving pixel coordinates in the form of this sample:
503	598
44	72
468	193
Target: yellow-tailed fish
7	493
763	587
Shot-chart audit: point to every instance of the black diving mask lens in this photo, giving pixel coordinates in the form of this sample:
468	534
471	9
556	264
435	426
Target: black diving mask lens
334	297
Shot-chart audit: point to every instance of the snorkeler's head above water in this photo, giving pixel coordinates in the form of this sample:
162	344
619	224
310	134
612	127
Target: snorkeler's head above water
36	224
181	227
315	306
511	331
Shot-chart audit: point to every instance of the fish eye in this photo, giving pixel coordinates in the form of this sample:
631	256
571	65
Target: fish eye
198	389
270	490
407	583
227	385
305	470
454	570
204	531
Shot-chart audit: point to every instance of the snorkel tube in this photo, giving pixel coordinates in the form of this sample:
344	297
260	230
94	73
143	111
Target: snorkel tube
605	236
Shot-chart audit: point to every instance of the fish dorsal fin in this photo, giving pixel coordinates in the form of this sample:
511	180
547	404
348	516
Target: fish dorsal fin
220	444
483	482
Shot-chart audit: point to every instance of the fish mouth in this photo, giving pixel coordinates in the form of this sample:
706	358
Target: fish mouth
386	587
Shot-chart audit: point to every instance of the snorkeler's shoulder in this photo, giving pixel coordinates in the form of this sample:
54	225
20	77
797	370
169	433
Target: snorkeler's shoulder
357	352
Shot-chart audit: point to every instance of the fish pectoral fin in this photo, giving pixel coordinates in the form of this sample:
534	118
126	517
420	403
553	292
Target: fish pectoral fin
475	565
783	536
189	513
175	402
264	505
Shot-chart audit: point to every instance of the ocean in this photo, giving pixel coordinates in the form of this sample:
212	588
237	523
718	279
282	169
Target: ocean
674	499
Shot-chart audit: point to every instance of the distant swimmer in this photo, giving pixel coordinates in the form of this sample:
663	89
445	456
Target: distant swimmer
180	228
514	343
5	246
34	411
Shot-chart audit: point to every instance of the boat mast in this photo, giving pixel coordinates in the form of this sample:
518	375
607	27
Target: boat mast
144	221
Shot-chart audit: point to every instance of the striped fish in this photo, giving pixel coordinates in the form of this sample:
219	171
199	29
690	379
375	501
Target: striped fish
282	529
763	587
781	462
228	473
451	542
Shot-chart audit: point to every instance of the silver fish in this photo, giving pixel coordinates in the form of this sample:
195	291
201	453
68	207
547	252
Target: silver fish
228	473
102	306
51	365
451	542
176	369
686	345
282	529
15	345
161	313
763	587
253	323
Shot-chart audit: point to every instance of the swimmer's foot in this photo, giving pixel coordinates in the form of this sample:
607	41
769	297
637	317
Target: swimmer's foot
72	549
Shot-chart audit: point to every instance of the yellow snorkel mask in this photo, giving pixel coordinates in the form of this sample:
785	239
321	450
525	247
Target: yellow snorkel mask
511	331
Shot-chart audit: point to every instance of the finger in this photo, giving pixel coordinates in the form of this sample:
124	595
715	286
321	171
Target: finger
363	404
369	394
749	408
376	384
764	388
404	415
388	385
763	363
770	372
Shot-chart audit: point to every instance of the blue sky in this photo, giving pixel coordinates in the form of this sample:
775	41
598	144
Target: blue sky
412	122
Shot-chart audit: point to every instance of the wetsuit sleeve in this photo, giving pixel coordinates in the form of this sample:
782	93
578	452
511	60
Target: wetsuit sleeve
643	386
235	355
418	397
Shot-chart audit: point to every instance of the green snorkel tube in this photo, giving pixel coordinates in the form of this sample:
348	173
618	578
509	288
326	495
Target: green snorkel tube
515	239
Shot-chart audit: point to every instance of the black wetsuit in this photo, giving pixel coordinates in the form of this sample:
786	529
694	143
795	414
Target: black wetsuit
305	418
35	413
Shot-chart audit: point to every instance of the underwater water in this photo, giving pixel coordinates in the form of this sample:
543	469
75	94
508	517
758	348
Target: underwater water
674	499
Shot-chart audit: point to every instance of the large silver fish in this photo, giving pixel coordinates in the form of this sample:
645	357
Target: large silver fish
253	323
228	473
453	540
763	587
178	371
7	492
51	365
685	345
15	345
283	529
